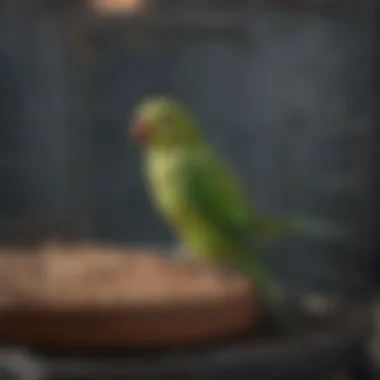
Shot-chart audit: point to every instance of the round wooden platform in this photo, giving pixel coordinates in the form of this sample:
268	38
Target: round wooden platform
98	296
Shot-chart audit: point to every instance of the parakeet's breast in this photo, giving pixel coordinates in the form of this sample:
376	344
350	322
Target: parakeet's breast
161	175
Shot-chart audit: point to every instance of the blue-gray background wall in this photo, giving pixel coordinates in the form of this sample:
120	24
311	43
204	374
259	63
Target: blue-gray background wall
289	106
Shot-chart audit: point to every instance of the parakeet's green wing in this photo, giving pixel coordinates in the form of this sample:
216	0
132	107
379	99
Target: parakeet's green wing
211	191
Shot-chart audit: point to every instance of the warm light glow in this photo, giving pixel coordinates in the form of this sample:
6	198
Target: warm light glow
118	6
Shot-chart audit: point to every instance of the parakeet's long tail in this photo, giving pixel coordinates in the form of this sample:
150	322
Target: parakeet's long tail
318	228
302	225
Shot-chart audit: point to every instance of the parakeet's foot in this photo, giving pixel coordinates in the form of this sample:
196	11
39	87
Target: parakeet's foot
186	257
219	270
182	253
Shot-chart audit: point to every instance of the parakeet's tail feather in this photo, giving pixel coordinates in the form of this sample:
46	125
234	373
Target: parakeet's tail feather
318	228
301	225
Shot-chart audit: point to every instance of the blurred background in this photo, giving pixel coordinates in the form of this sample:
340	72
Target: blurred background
283	90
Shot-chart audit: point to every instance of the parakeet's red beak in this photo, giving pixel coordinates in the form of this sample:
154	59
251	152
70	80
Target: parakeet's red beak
141	131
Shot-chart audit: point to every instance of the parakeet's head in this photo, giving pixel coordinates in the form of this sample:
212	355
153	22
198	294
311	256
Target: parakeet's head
161	121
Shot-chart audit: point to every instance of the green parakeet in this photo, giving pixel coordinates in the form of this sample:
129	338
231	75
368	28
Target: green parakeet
199	196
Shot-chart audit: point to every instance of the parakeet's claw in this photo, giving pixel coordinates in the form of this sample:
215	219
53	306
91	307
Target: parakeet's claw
186	257
183	255
221	271
181	252
225	269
